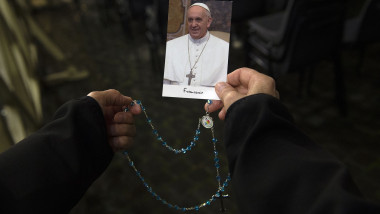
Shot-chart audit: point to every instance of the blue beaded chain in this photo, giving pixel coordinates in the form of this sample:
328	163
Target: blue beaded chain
207	122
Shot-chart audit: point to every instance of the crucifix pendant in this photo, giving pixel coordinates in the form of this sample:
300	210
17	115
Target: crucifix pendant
190	76
221	197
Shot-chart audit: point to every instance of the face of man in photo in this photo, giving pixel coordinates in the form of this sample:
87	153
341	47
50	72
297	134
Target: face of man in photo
198	22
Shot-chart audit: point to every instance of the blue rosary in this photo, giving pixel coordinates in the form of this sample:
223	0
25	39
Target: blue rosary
207	122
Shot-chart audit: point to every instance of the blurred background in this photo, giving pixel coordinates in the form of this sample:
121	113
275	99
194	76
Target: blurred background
325	56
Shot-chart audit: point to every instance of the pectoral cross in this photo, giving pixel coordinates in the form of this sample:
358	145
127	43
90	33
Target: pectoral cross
222	208
190	76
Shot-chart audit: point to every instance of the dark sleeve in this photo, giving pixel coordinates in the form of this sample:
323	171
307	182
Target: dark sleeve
275	168
49	171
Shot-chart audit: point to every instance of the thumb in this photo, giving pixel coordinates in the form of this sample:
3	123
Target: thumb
227	94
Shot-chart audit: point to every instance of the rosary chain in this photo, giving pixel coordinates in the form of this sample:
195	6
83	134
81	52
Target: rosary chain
221	187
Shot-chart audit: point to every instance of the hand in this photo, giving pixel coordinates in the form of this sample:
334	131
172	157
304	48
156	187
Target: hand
120	125
241	83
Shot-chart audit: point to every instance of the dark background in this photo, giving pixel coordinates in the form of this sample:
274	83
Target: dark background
124	49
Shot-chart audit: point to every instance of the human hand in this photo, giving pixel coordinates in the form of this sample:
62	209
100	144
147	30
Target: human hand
120	125
241	83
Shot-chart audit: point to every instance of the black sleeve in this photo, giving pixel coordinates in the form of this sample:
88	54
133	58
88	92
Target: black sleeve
49	171
275	168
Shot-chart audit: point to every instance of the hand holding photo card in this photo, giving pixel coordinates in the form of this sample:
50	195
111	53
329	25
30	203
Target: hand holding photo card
197	48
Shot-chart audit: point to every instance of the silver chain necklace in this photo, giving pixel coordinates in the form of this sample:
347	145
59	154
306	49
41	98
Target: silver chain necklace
191	75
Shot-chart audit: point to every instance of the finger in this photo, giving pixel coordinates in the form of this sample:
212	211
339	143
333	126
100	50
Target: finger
215	105
222	114
121	143
115	130
113	97
241	77
135	109
124	117
227	94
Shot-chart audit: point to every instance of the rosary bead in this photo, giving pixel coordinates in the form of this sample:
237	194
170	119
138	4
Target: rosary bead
209	102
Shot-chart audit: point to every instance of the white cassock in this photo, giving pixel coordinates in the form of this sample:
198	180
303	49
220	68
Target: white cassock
210	68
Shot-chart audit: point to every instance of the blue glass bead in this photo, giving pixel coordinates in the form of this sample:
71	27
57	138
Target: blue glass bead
183	209
132	103
176	207
217	165
196	138
218	178
126	109
155	132
138	102
192	143
196	208
188	148
216	159
198	131
131	163
143	108
209	102
183	150
208	202
158	197
164	144
214	140
149	120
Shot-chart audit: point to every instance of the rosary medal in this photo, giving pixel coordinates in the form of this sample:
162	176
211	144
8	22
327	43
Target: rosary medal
207	122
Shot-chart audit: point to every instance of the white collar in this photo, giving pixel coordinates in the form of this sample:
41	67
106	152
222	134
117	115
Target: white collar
201	40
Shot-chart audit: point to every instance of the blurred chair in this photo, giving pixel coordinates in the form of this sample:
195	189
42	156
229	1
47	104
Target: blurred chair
305	33
363	29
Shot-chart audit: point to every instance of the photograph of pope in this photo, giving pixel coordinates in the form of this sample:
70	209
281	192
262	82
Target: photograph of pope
197	58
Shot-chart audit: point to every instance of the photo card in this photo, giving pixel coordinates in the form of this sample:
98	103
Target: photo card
197	48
